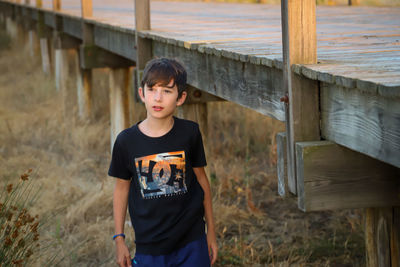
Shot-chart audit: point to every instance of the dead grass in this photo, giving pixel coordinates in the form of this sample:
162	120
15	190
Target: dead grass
254	226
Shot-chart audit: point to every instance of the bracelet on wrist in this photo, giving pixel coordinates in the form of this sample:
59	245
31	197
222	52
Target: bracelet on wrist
117	235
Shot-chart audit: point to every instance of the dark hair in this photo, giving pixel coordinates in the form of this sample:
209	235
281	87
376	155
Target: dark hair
162	71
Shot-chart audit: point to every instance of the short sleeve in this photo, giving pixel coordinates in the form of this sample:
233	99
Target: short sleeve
198	155
118	167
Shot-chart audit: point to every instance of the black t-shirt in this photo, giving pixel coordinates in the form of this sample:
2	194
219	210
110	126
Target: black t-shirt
165	198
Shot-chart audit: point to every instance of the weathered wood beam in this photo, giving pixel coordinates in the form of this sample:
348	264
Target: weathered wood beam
254	86
365	122
95	57
86	8
120	83
299	47
56	5
334	177
382	236
283	189
196	96
143	45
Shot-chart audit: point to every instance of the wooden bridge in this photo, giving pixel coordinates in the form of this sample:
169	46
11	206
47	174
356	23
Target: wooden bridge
331	73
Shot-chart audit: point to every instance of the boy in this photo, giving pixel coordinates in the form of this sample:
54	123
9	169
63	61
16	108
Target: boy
159	165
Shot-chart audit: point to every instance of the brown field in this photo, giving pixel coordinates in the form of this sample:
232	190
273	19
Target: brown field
70	160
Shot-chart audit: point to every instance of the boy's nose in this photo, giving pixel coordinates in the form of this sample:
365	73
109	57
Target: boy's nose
157	96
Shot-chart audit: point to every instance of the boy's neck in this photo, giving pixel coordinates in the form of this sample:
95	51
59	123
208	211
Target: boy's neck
156	127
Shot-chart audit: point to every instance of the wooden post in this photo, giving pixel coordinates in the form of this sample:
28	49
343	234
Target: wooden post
56	5
120	82
331	176
143	46
299	47
382	236
281	145
86	8
33	43
39	3
84	76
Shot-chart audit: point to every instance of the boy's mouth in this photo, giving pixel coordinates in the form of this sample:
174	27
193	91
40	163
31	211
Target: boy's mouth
157	108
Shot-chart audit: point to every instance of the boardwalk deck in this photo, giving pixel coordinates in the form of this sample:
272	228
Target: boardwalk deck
234	51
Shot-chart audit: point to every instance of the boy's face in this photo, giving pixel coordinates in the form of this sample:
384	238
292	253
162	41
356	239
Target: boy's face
161	100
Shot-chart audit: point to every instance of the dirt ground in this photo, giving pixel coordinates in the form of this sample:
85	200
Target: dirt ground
70	158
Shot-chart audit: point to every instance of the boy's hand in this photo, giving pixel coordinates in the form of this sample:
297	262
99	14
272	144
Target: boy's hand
212	247
123	256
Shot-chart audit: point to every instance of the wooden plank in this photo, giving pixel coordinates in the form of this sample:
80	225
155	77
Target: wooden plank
395	238
382	236
86	8
120	83
299	42
283	189
253	86
95	57
57	5
143	46
334	177
196	96
367	123
114	40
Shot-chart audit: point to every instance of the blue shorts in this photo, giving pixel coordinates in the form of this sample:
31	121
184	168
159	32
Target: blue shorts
193	254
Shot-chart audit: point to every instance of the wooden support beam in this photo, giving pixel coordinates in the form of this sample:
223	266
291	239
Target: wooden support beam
86	8
45	52
84	76
57	5
33	43
95	57
382	236
299	47
120	83
196	96
39	3
334	177
283	189
143	46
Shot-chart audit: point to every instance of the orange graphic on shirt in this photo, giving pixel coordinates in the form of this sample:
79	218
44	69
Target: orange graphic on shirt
161	174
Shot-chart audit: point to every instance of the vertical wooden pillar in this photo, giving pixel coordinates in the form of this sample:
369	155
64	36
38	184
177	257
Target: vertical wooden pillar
382	236
45	44
84	76
143	46
33	43
120	82
283	189
56	5
299	47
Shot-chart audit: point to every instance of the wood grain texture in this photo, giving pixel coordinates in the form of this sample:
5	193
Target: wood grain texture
243	83
381	236
86	8
283	189
119	82
112	39
366	123
334	177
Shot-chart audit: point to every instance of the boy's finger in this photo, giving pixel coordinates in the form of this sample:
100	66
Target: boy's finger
128	261
214	255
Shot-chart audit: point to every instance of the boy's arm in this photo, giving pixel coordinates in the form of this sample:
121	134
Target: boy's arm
120	202
211	237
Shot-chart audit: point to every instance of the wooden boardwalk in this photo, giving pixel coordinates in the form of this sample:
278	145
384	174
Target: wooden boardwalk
341	148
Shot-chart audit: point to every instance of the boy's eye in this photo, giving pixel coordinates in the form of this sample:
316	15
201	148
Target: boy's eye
168	91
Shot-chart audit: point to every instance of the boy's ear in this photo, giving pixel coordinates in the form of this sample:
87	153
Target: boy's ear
141	93
182	99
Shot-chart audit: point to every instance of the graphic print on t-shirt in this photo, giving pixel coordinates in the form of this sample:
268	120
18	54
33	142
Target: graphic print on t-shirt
161	174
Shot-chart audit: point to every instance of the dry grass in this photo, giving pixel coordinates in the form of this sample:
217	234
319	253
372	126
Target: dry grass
71	157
